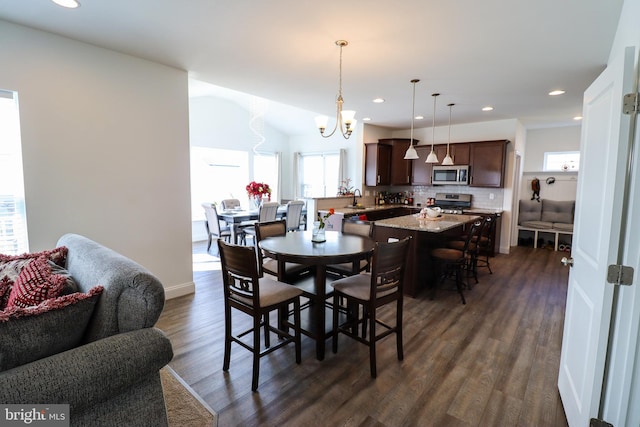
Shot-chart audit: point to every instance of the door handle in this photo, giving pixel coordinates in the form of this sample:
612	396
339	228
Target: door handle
567	262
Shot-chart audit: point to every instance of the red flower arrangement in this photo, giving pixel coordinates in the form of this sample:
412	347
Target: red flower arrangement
258	190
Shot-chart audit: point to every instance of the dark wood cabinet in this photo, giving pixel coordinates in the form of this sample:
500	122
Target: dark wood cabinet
377	164
487	162
385	163
459	152
421	171
400	168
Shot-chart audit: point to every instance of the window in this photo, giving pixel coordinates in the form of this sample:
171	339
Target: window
568	161
320	174
266	169
216	175
13	219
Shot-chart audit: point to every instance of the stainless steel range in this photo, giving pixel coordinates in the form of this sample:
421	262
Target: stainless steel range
453	203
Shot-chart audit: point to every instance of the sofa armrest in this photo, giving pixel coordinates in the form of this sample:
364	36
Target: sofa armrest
90	374
133	297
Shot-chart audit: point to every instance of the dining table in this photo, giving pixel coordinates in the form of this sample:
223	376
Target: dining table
237	218
297	247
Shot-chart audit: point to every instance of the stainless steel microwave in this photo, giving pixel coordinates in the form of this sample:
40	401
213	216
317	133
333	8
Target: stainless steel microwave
450	175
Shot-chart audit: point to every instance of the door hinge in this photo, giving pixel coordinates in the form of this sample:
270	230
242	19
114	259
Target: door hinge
630	103
594	422
620	275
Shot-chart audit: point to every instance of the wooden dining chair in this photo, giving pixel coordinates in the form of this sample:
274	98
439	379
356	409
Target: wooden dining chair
213	225
247	292
294	214
269	265
228	204
268	211
357	228
384	285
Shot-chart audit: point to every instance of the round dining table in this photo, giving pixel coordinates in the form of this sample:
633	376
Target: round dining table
297	247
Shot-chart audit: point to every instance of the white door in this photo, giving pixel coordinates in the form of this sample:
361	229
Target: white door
603	154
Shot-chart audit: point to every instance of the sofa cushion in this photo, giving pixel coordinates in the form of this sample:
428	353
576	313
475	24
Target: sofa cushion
35	283
562	226
536	224
530	210
558	211
54	326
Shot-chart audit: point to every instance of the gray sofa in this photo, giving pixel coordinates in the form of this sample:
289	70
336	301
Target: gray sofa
112	378
547	216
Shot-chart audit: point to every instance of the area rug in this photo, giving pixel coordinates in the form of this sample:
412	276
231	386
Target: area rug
184	407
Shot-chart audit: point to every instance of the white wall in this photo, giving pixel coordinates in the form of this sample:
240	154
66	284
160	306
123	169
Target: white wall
105	149
539	141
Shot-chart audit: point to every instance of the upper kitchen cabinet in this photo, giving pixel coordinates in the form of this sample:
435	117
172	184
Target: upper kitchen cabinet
487	162
377	164
459	153
385	163
421	171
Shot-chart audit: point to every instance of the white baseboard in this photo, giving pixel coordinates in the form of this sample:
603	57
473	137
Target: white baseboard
179	290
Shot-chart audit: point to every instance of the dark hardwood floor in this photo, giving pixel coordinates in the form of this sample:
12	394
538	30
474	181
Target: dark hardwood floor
491	362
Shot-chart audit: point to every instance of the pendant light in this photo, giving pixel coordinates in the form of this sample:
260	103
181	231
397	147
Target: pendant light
432	157
448	160
411	153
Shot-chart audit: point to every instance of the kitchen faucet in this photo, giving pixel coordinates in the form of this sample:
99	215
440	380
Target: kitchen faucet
354	196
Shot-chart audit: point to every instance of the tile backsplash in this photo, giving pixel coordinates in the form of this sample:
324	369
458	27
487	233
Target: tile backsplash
483	198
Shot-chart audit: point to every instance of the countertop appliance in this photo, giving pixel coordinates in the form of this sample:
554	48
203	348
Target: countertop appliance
450	175
453	203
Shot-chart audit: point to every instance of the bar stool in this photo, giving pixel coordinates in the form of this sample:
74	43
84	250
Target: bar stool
452	261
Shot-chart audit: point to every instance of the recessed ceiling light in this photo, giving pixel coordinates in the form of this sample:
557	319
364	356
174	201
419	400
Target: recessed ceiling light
366	119
487	108
378	100
419	117
556	92
71	4
577	118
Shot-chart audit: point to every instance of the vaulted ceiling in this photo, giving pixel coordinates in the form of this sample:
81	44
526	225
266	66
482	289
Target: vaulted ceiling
501	53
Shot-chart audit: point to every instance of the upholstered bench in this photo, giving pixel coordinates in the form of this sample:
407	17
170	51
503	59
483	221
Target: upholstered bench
546	216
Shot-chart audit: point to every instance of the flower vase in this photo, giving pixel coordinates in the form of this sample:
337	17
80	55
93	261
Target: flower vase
317	234
254	202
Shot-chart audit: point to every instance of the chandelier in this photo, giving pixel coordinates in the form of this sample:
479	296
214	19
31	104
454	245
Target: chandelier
344	118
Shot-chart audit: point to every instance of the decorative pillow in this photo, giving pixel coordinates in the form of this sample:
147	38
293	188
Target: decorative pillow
57	255
70	285
35	283
12	265
5	290
52	327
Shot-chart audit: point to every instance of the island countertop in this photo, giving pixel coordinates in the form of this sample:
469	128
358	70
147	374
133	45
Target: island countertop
443	223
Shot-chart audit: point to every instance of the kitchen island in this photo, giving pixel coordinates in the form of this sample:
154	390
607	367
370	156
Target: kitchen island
426	234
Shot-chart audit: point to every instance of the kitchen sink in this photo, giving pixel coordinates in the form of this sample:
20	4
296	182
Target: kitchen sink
356	208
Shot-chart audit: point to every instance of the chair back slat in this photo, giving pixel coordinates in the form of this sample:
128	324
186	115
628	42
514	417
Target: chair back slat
389	260
239	272
473	235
